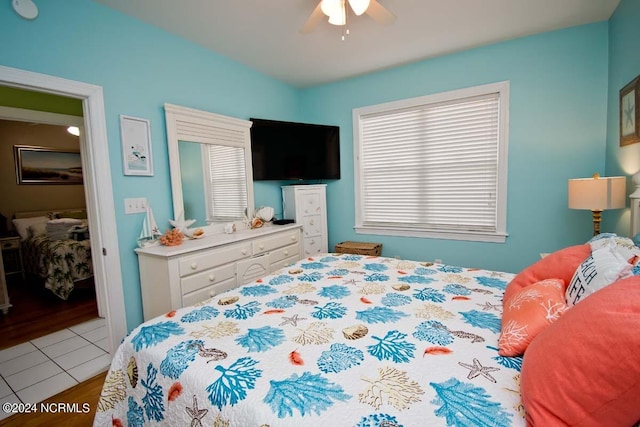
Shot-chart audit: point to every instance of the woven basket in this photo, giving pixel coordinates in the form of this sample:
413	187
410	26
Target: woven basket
359	248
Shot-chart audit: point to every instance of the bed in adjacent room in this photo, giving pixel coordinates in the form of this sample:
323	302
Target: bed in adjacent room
56	247
338	339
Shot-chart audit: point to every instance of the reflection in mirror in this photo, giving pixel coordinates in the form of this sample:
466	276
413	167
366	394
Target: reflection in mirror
214	183
210	163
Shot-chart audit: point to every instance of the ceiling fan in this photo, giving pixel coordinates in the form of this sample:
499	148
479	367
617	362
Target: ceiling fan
336	10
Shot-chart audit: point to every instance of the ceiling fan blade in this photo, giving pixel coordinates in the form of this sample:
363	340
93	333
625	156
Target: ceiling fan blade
379	13
313	20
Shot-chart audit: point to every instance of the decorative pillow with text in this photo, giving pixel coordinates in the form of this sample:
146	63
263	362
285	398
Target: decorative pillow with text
603	267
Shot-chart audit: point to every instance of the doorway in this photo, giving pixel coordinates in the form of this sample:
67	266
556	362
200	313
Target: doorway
98	189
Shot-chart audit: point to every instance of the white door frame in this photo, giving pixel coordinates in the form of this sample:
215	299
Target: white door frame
94	150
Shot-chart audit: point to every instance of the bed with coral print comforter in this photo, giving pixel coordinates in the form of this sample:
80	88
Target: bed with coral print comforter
59	262
339	340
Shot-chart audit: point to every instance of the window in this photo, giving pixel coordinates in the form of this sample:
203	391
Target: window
434	166
225	182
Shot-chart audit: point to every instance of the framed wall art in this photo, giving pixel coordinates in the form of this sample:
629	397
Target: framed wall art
630	113
46	165
136	146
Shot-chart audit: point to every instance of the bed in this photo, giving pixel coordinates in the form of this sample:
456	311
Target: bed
337	339
57	258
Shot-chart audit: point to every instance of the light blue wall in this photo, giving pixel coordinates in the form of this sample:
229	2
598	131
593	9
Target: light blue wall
624	66
557	131
139	68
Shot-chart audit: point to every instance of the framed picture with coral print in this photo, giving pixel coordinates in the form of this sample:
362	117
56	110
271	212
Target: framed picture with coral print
630	113
136	146
47	165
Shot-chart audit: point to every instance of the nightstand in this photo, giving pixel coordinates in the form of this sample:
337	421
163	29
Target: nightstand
12	255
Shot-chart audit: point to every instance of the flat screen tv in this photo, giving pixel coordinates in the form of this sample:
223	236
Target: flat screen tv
294	151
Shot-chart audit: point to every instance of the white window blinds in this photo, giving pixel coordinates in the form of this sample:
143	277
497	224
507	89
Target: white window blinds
432	166
225	183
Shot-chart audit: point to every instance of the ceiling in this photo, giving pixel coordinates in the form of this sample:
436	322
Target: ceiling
264	34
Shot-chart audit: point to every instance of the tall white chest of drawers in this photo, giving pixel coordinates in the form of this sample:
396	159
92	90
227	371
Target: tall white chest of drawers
172	277
307	205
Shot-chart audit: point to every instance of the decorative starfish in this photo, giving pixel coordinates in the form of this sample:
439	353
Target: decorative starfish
487	306
182	224
350	282
293	320
477	369
196	414
628	114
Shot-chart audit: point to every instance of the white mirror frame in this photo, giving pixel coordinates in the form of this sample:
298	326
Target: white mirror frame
188	124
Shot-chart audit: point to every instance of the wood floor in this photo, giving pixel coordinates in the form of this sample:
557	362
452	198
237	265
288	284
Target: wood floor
37	311
85	392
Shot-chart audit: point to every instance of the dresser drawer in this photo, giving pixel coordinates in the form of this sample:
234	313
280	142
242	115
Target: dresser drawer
209	259
207	278
208	292
312	246
253	268
312	225
277	241
284	263
311	203
10	244
282	253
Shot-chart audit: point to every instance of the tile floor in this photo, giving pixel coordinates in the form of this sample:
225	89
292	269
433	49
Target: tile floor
38	369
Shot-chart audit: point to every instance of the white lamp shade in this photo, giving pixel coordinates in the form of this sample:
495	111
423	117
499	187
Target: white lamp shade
597	193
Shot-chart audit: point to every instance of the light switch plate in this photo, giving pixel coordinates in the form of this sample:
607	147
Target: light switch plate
135	205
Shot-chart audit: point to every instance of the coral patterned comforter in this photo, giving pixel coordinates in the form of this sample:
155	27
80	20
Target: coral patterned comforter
339	340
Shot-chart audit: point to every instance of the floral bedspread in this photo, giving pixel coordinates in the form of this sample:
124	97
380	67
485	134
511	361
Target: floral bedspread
334	340
59	262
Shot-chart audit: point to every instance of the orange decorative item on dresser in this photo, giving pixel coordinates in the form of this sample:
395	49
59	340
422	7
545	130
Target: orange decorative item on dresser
172	237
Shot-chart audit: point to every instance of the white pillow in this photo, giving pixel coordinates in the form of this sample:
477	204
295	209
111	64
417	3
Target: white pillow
22	224
622	245
37	229
603	267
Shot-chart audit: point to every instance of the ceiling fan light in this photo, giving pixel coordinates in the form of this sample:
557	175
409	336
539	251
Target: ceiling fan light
359	6
330	7
339	16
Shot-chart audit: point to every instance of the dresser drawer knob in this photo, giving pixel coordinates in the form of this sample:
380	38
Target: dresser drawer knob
212	294
194	265
286	253
293	237
244	252
261	247
212	277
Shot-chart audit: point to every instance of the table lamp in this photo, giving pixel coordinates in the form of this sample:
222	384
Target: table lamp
597	194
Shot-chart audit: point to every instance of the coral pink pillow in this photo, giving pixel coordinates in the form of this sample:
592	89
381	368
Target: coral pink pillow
583	370
560	264
528	312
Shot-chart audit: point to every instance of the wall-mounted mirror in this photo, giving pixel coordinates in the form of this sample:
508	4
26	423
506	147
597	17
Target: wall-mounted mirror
210	162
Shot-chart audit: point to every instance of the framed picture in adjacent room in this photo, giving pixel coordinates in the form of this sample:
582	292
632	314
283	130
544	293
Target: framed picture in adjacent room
630	113
136	146
46	165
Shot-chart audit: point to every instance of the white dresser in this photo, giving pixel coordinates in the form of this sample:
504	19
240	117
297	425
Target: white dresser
176	276
307	205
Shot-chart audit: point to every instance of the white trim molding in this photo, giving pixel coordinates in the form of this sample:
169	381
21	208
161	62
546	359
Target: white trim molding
98	188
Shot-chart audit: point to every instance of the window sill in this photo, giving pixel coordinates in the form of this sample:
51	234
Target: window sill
495	237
